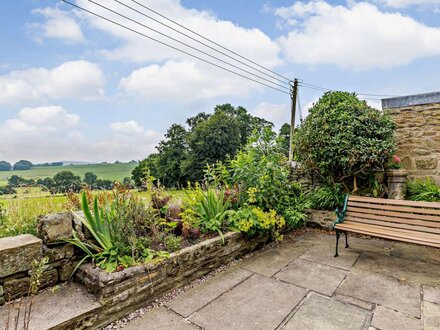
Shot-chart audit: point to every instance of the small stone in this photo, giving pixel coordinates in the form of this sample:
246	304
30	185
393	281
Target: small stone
56	227
18	252
58	252
19	287
66	270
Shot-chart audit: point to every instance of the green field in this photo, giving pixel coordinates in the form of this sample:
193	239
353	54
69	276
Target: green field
115	172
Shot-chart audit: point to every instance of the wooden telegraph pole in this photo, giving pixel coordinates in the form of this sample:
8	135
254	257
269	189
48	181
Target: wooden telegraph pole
293	96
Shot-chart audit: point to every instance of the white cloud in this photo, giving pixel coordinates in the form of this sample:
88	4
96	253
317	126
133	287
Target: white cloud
278	114
77	79
408	3
249	42
58	25
359	37
51	133
182	82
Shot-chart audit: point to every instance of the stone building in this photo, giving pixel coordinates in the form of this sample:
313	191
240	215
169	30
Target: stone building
418	133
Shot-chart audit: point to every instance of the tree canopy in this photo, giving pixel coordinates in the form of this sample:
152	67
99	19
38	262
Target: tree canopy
5	166
185	152
23	165
343	138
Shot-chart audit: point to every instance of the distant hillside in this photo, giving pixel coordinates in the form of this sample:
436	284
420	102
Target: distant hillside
103	171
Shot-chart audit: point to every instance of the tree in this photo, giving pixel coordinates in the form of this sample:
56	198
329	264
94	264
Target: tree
343	138
90	178
212	140
140	173
5	166
172	152
66	181
284	138
22	165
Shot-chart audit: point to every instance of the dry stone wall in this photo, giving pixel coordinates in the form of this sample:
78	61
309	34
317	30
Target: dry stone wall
418	139
17	254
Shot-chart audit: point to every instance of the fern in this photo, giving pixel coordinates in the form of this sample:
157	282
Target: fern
423	191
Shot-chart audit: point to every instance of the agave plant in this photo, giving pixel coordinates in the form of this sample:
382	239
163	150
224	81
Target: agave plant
213	211
100	226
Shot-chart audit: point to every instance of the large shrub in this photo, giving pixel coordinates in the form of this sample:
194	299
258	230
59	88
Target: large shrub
261	174
343	138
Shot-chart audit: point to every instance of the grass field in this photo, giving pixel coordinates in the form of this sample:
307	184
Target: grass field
103	171
21	211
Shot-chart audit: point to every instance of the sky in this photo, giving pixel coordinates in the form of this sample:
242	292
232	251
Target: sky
75	87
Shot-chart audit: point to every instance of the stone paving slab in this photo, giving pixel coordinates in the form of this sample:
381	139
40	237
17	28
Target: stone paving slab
320	278
353	301
204	293
161	319
325	256
271	261
257	303
383	290
431	316
51	309
431	294
388	319
403	269
319	312
416	252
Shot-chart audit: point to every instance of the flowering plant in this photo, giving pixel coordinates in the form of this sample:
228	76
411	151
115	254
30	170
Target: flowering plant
395	163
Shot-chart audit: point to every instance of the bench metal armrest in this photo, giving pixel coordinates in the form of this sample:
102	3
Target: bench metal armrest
341	213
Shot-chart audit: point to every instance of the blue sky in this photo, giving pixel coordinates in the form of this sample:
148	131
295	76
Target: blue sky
73	87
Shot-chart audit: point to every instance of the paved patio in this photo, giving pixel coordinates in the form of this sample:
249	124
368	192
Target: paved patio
375	284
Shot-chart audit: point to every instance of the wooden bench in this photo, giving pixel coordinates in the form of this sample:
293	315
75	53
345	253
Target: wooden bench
399	220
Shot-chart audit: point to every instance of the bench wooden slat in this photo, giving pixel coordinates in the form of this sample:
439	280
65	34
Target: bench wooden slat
393	214
433	205
395	208
415	222
388	236
380	223
394	232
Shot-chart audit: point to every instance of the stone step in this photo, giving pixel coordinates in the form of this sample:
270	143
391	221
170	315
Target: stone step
68	307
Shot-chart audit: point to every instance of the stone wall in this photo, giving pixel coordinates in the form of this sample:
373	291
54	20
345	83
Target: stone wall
123	292
320	218
418	139
17	254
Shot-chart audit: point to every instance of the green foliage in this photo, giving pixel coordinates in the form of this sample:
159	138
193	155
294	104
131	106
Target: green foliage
140	173
66	181
23	165
284	138
172	243
426	191
343	138
37	269
214	211
90	178
327	197
183	155
261	175
18	181
5	166
253	221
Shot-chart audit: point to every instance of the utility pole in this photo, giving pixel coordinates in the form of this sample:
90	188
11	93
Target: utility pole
293	96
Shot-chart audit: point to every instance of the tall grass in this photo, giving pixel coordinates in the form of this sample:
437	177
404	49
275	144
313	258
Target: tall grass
20	215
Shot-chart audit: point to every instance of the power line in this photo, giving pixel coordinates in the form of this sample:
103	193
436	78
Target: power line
185	44
307	85
200	42
173	47
321	89
207	39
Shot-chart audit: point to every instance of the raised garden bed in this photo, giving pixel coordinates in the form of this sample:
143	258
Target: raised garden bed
122	292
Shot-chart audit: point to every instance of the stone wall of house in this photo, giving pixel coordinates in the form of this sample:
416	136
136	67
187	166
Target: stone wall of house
19	252
418	139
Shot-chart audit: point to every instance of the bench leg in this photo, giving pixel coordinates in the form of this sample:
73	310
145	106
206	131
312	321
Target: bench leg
346	240
338	233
